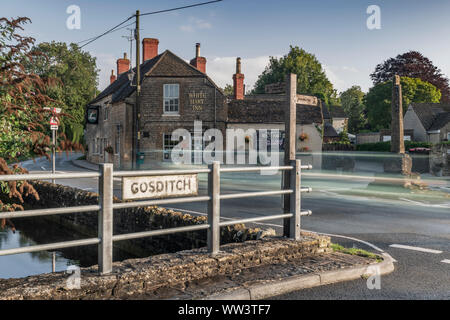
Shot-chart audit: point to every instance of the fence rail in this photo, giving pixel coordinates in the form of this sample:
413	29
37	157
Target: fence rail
106	207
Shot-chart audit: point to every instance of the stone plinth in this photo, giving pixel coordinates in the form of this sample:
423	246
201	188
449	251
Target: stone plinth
400	164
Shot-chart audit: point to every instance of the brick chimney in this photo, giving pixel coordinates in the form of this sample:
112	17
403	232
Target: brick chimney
123	65
238	82
112	78
149	48
199	62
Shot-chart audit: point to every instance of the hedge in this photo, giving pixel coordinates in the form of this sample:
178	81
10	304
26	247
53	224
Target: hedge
386	146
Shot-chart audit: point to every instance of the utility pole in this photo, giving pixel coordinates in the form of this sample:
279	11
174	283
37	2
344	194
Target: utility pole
137	111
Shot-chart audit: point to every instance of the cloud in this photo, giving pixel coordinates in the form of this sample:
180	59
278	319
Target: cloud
195	24
342	77
105	63
221	69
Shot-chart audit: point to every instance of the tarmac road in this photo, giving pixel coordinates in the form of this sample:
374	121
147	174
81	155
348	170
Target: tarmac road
386	223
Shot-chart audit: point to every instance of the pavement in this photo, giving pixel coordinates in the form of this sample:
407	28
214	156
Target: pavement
369	222
267	281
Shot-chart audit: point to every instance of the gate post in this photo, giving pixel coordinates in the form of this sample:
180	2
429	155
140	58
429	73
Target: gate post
214	208
295	199
105	218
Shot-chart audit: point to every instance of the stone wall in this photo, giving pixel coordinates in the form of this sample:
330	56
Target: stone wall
139	276
132	220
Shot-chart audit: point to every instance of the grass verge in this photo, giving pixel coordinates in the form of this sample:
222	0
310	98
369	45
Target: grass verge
355	251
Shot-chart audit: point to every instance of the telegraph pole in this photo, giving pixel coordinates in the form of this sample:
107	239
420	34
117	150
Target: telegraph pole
137	111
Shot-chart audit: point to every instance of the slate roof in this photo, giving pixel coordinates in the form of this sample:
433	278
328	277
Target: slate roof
329	131
122	88
441	121
337	112
433	116
270	111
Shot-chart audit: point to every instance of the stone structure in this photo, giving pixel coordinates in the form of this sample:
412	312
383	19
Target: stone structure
139	276
401	162
397	143
430	122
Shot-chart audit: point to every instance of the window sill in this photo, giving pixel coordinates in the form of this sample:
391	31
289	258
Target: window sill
171	114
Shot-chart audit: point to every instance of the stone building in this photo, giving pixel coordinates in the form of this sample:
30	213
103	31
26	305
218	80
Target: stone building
174	94
429	121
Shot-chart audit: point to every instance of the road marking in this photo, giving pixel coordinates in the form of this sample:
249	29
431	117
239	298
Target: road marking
446	261
280	226
401	246
426	204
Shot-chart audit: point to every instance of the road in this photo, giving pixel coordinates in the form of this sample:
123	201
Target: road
384	222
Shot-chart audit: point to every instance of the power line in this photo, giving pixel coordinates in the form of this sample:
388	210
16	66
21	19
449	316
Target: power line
116	28
108	31
179	8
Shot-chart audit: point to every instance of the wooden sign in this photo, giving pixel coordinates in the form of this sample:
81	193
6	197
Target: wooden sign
151	187
273	88
307	100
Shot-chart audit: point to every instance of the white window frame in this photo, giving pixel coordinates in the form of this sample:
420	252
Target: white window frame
171	94
105	113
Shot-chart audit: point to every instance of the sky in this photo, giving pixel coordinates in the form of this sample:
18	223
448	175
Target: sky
335	31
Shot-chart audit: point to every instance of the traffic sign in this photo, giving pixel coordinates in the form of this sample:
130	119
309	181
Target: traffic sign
53	127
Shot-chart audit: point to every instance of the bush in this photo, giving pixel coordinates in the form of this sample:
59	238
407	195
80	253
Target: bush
386	146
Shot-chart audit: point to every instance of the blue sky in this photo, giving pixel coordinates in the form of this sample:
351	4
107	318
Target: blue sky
334	30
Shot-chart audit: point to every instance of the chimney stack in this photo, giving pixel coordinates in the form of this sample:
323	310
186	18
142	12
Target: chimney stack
199	62
112	78
238	82
123	65
149	48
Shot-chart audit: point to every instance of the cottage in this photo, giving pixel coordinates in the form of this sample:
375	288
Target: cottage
175	94
429	121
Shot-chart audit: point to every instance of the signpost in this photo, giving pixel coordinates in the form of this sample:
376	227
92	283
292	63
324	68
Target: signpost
54	124
150	187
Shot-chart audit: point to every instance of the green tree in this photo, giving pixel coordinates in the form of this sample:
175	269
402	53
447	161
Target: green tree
228	90
77	75
353	103
378	99
23	117
311	78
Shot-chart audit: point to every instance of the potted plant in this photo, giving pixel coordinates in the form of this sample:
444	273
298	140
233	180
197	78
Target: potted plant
303	136
109	149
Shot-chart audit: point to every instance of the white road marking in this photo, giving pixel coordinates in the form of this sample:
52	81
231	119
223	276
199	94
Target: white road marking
426	204
401	246
446	261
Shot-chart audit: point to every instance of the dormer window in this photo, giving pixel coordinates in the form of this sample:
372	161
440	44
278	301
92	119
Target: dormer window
171	98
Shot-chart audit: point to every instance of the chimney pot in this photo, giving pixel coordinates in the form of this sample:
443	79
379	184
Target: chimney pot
149	48
198	62
123	65
197	50
238	82
112	78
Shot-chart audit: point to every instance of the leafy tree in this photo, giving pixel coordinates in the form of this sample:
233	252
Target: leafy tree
311	78
228	90
378	99
412	64
24	120
353	103
77	73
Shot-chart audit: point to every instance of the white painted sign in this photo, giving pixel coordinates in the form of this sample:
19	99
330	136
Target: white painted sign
159	186
53	127
307	100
